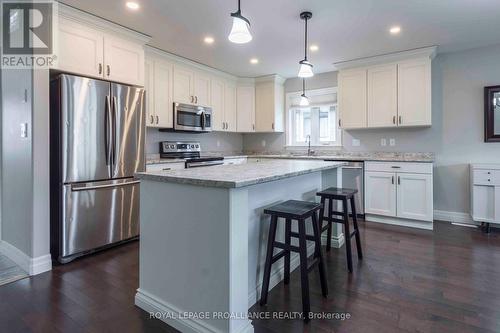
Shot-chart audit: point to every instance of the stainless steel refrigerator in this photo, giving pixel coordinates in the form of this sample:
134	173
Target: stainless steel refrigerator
96	146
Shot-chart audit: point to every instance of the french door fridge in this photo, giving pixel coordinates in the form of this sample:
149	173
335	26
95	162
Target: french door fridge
97	144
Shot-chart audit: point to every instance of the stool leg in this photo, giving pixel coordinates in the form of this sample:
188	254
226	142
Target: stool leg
306	307
355	223
347	235
321	216
329	231
288	239
319	255
269	257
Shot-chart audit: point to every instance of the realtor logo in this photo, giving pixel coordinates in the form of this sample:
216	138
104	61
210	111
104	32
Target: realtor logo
27	34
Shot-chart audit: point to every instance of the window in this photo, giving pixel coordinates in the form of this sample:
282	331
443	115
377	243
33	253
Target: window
317	121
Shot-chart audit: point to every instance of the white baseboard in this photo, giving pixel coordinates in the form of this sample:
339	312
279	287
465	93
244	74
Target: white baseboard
399	221
32	266
457	217
151	304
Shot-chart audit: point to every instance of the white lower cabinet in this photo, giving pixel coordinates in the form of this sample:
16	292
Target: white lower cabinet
380	193
485	192
399	190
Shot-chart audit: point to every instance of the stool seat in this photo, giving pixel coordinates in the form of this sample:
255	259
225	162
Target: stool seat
339	193
293	209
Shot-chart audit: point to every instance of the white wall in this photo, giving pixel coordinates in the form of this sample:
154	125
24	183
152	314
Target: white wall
456	135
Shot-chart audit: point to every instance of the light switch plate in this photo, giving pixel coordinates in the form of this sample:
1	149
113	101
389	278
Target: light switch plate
392	142
24	130
383	142
355	142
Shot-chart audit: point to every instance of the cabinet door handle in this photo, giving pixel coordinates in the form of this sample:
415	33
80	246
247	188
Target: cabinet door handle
399	180
272	126
340	123
253	127
157	120
152	119
100	68
392	180
394	120
400	121
108	70
196	99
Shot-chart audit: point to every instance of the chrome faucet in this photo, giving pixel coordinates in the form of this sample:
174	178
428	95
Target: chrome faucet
309	151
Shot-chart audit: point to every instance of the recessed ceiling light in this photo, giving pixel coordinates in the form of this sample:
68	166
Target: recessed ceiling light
314	48
254	61
132	5
395	30
208	40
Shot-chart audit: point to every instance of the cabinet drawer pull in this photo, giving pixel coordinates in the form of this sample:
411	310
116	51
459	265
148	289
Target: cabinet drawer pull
395	167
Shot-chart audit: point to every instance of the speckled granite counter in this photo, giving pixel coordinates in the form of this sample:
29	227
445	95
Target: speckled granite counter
340	156
232	176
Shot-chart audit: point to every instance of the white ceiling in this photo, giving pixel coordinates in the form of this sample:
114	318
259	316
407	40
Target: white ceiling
343	29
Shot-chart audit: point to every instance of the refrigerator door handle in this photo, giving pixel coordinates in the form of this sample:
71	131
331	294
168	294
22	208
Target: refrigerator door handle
115	108
107	133
75	188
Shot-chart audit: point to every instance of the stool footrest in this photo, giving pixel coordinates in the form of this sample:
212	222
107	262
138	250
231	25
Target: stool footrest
278	256
338	213
285	247
353	233
308	237
332	220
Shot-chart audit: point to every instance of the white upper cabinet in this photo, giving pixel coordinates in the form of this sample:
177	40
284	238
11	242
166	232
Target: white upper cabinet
387	91
93	47
183	85
269	104
352	98
124	61
201	89
217	101
414	93
383	96
230	106
81	49
158	85
163	104
245	106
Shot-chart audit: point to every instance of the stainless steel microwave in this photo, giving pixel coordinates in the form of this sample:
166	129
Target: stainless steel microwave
192	118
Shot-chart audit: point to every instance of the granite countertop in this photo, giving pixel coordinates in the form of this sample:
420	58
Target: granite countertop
240	175
341	156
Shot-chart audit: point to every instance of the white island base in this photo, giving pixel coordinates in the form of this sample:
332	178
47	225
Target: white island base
202	248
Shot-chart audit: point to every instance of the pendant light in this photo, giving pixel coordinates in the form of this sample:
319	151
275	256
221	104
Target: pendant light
304	100
240	33
305	69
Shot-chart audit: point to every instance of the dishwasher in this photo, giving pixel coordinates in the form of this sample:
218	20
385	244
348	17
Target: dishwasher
353	177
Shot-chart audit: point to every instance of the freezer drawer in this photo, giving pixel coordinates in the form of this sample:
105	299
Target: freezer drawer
97	214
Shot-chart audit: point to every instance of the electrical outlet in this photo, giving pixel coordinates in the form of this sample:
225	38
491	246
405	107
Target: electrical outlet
392	142
355	142
383	142
263	143
24	130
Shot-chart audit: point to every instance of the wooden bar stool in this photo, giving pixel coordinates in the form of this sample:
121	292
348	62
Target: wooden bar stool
299	211
334	194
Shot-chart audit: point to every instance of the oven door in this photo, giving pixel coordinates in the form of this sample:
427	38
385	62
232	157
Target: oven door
192	118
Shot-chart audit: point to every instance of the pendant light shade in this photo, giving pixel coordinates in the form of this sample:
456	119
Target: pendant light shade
304	101
240	32
306	68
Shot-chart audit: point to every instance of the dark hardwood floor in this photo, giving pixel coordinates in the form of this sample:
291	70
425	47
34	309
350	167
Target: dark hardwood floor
409	281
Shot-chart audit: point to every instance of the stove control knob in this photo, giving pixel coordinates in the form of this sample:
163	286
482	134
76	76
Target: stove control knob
172	146
197	146
192	146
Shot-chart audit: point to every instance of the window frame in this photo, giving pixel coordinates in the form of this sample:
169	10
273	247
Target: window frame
290	140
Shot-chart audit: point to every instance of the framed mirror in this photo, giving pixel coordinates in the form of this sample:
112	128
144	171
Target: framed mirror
492	114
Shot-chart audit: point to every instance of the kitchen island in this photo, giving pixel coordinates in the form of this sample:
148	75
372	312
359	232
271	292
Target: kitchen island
204	234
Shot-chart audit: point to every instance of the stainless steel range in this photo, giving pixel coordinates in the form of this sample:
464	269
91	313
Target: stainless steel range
190	151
